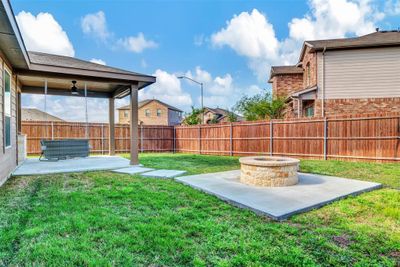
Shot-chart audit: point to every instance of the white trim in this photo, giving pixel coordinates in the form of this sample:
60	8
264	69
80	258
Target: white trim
6	147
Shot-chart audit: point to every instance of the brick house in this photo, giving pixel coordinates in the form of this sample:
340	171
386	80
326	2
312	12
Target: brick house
152	112
217	115
342	76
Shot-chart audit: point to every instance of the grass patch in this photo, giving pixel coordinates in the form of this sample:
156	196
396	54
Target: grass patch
104	218
385	173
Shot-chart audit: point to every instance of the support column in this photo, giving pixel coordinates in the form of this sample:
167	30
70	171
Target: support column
111	131
134	125
19	113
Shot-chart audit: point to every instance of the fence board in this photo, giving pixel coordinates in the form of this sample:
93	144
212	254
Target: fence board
375	137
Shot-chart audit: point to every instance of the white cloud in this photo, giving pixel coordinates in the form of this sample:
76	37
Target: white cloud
137	43
392	7
95	24
168	89
251	35
44	34
219	91
98	61
199	75
348	17
69	108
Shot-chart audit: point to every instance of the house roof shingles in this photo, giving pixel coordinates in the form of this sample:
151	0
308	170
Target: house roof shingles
145	102
71	62
33	114
375	39
278	70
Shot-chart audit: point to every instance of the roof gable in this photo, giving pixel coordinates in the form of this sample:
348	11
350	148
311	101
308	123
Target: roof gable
375	39
147	101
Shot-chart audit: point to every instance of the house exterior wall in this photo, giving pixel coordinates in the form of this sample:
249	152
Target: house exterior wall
8	156
361	106
285	85
310	59
208	116
174	117
123	116
167	116
361	73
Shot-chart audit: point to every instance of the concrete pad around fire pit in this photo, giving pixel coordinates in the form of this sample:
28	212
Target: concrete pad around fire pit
312	191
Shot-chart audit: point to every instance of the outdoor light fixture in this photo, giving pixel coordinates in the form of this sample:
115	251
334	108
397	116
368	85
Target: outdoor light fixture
74	89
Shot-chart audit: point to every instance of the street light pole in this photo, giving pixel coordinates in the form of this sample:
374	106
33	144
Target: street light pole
202	96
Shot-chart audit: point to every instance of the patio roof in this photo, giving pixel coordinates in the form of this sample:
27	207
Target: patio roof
101	81
33	68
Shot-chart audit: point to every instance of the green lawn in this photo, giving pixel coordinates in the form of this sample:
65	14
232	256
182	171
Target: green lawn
103	218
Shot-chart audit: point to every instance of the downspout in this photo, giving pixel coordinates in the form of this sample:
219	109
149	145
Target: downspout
323	83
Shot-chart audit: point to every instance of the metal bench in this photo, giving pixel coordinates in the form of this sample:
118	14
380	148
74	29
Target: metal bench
64	149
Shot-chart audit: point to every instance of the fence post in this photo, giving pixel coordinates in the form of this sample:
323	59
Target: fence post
200	139
325	138
52	130
271	138
141	138
174	140
231	141
102	138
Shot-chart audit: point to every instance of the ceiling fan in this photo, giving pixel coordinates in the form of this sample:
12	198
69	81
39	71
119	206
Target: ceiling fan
74	89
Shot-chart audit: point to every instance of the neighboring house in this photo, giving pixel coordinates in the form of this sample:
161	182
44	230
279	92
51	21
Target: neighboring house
31	72
217	115
152	112
342	76
33	114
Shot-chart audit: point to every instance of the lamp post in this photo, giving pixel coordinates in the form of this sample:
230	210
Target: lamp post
201	88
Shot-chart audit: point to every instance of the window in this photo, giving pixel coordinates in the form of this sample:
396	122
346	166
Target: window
126	113
158	112
309	111
308	74
7	109
147	112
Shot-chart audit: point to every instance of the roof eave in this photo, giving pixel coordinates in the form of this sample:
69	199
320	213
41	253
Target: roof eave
23	61
54	71
303	50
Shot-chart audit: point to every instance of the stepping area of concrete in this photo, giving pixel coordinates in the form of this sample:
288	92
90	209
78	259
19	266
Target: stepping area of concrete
312	191
33	166
163	173
133	170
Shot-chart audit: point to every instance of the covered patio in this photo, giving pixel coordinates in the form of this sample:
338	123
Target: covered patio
66	76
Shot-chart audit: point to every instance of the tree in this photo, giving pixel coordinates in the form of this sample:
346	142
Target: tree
193	117
232	117
261	106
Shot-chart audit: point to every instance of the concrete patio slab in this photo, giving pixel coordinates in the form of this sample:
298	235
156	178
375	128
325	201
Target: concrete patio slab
133	170
279	203
34	166
163	173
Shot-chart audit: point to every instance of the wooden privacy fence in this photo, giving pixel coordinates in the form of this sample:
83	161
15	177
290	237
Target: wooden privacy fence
152	138
363	138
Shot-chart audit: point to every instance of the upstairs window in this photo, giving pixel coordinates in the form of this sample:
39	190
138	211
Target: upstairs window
7	109
308	70
158	112
126	113
147	112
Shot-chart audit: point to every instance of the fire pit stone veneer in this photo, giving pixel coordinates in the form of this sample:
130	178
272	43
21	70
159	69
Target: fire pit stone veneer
269	171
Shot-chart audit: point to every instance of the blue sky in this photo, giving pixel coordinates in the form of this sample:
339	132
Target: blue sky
229	45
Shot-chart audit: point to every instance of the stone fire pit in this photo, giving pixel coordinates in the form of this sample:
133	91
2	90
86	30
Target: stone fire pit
269	171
